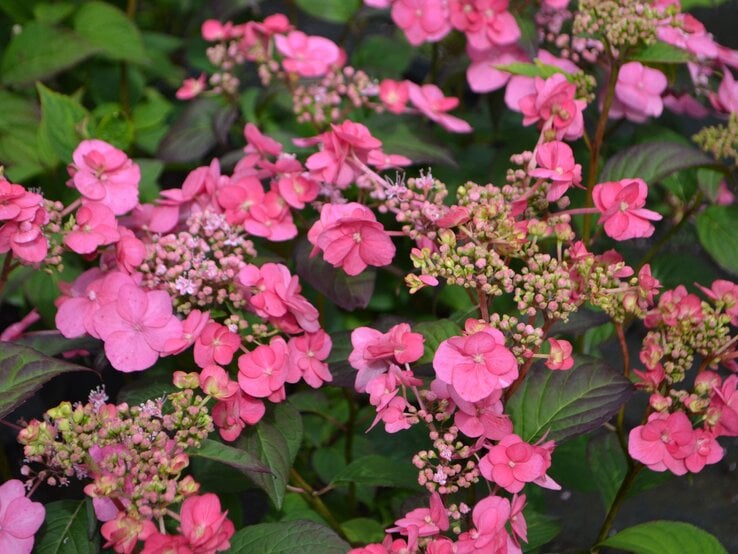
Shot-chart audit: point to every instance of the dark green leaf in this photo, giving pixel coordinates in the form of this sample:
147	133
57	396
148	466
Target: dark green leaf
660	52
691	4
378	471
541	529
608	465
435	332
53	13
349	292
23	371
192	135
363	530
52	343
708	180
274	441
537	69
66	529
383	56
716	228
41	51
413	143
652	161
113	126
142	391
148	189
665	537
234	457
288	537
108	28
62	119
567	403
338	11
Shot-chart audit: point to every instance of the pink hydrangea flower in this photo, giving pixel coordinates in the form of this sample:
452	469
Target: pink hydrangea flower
271	219
230	416
638	93
215	382
373	351
685	104
490	515
486	23
553	105
724	408
663	443
123	533
476	365
726	99
102	173
705	451
16	203
26	238
559	357
192	327
307	56
351	238
512	463
431	102
484	418
308	353
622	206
394	95
135	327
482	73
160	543
191	88
95	226
205	527
20	518
263	371
724	293
275	295
421	20
216	345
556	163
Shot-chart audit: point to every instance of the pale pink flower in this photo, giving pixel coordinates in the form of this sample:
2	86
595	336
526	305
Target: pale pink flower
82	298
307	56
102	173
476	365
638	93
205	527
394	95
350	237
215	382
622	206
135	327
690	35
556	163
263	371
554	106
725	294
20	518
482	73
512	463
95	226
560	355
431	102
663	443
421	20
191	88
308	353
373	351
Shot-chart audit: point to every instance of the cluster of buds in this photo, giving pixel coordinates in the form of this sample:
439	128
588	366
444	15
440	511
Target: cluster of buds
721	140
134	455
449	466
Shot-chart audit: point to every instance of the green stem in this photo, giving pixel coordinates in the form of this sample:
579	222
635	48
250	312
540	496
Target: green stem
594	158
317	503
622	493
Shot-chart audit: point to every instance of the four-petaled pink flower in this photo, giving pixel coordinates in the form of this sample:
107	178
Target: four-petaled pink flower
95	226
638	93
476	365
431	102
102	173
394	95
556	163
216	345
263	371
307	358
350	237
622	206
135	327
560	355
663	443
307	56
421	20
20	518
205	527
554	106
191	88
512	463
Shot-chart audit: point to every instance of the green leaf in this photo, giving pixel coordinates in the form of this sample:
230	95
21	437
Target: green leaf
338	11
275	441
661	52
23	371
536	69
691	4
363	530
148	189
567	403
192	135
52	343
413	142
378	471
383	56
653	161
108	28
53	13
61	120
234	457
288	537
435	332
608	465
113	126
41	51
542	529
665	537
70	527
717	232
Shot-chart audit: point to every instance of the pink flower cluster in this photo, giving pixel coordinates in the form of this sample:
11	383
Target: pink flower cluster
22	218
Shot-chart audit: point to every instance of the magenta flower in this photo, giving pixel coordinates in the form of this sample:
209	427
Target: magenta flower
556	163
307	56
638	93
663	443
263	371
351	238
20	518
476	365
102	173
431	102
135	327
421	20
621	203
205	527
